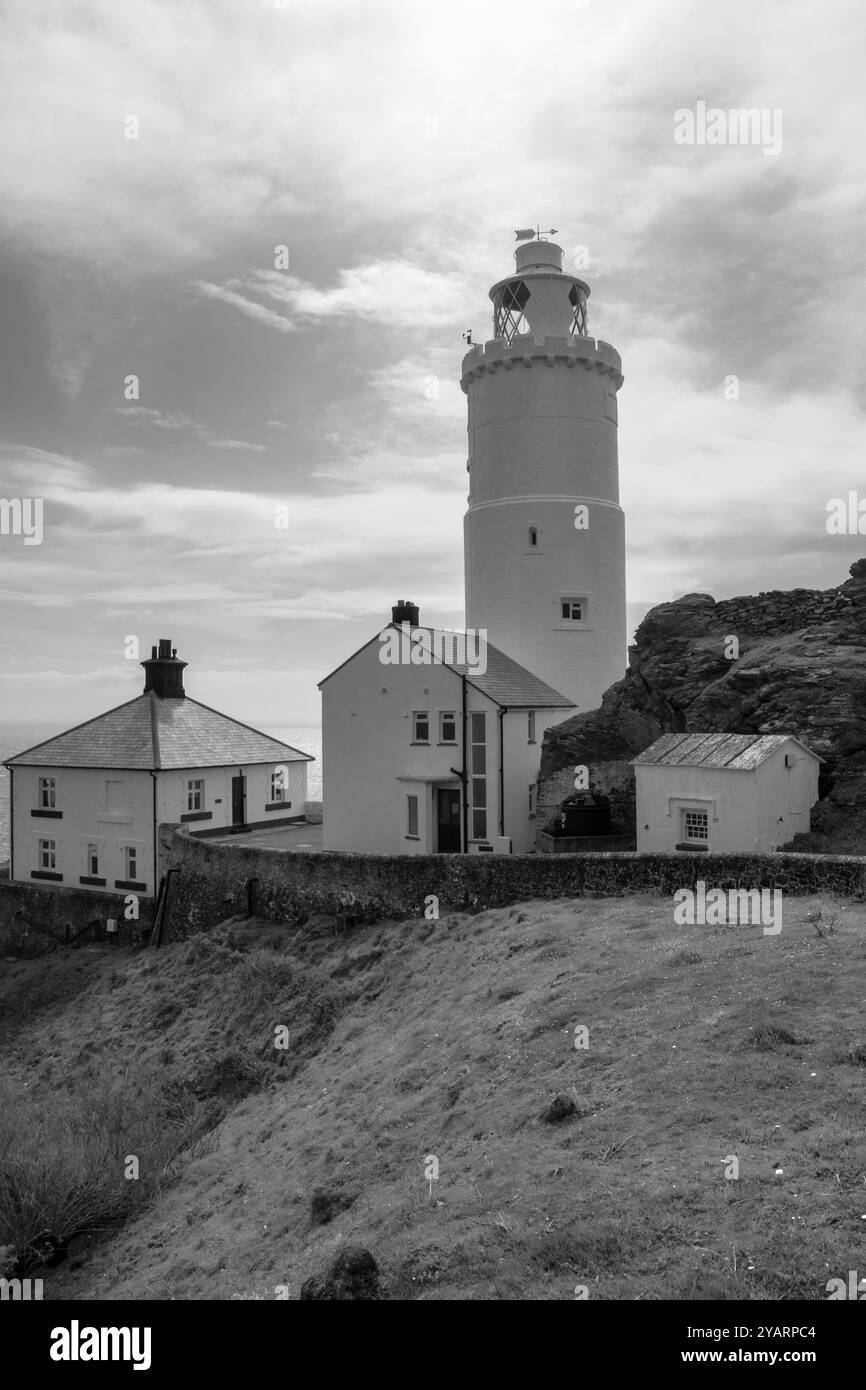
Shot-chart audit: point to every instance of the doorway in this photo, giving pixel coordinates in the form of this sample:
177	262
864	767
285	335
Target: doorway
447	821
239	797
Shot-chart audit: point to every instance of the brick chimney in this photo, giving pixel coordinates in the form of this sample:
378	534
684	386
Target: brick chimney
164	672
405	612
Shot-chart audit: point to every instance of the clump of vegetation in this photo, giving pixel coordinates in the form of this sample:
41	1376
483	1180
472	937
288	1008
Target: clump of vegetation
685	958
81	1160
824	926
766	1036
353	1275
327	1204
560	1109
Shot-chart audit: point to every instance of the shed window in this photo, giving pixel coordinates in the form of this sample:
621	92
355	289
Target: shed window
695	826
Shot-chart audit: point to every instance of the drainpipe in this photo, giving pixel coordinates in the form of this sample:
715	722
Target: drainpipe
465	777
503	710
155	839
11	823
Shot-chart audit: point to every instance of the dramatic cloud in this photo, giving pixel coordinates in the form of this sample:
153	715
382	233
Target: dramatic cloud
156	157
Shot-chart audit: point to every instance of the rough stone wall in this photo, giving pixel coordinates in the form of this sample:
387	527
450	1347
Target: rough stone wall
35	919
782	610
212	881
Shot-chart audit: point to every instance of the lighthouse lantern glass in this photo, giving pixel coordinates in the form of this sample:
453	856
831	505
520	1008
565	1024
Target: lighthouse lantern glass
508	307
513	314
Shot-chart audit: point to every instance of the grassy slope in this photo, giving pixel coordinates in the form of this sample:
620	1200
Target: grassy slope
449	1038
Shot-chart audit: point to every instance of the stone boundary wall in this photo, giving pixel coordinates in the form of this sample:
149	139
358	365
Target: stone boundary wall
34	919
214	881
582	844
780	610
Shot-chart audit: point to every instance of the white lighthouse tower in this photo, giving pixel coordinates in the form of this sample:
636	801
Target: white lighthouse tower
544	533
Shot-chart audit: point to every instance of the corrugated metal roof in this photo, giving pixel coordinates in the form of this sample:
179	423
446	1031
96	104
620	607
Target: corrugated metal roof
739	751
153	733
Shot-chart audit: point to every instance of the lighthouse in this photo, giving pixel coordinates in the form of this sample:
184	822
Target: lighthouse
544	532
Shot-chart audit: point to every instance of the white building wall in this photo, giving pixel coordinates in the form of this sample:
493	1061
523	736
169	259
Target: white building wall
786	795
173	798
729	798
367	710
522	760
367	747
85	818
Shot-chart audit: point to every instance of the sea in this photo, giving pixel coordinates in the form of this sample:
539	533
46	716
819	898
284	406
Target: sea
16	736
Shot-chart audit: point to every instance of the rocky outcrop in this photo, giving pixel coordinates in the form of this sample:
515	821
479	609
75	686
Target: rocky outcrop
779	662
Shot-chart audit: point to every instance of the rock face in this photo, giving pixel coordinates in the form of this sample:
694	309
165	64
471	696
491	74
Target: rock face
801	669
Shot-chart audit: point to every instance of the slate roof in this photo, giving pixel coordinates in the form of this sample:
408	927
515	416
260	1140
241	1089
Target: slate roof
153	734
505	681
512	685
743	752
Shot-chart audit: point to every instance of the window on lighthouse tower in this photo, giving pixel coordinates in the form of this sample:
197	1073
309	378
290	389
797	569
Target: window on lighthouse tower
533	536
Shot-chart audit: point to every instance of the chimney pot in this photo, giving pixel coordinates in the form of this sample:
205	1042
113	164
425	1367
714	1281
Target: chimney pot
405	611
164	672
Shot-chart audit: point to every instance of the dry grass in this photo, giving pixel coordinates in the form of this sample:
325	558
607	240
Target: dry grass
65	1166
450	1039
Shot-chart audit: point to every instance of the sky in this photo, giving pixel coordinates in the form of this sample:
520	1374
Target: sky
156	156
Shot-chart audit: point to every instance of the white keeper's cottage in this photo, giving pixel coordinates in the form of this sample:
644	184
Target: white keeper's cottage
86	805
724	793
427	753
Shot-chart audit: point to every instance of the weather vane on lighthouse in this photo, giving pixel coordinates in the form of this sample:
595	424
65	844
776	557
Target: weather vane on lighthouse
528	233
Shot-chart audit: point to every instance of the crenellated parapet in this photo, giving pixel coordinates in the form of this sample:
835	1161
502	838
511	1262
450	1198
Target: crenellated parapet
590	354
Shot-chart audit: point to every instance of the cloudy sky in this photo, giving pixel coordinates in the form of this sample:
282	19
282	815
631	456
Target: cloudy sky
393	146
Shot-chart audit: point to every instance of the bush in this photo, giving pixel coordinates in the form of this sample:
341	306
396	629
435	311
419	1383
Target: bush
63	1159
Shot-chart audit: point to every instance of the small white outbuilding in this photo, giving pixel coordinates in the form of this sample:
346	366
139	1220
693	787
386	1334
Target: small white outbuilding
724	793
